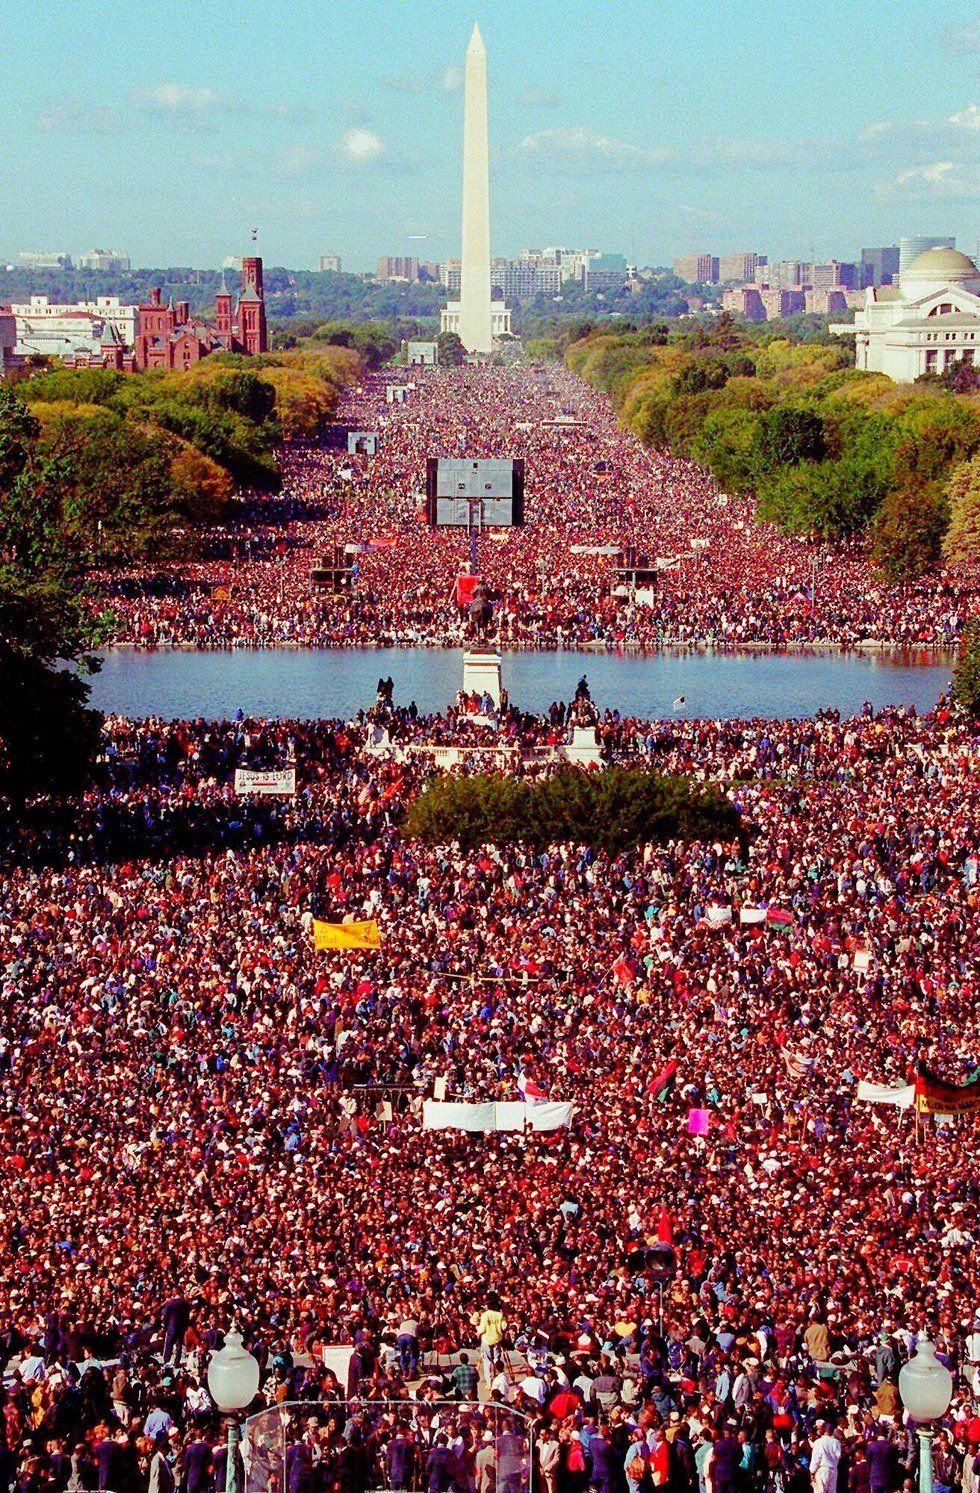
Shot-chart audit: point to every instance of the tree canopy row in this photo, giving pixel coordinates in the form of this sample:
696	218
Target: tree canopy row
825	449
98	467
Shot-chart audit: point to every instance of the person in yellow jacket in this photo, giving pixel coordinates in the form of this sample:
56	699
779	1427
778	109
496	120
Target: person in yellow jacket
490	1329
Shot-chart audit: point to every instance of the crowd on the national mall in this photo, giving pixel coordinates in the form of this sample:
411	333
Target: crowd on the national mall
207	1121
592	492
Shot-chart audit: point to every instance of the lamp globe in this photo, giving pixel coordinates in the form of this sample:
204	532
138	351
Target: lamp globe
925	1384
233	1375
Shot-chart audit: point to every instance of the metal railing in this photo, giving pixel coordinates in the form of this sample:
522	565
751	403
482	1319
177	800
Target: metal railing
402	1446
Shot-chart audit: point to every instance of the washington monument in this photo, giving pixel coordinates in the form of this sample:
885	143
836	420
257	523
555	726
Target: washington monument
473	316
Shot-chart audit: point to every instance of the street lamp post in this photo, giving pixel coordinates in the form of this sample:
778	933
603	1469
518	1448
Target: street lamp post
233	1382
926	1388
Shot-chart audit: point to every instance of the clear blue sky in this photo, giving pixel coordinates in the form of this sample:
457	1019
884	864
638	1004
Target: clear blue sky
653	127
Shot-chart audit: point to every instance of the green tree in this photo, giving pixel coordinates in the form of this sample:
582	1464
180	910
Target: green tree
830	498
936	434
47	733
18	431
908	532
726	445
611	810
452	353
788	435
966	675
705	373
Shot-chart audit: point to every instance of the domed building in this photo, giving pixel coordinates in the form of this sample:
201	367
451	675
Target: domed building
926	322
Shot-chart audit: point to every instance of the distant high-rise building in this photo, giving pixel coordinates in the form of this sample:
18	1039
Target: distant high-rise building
606	272
911	248
700	269
527	276
739	269
397	267
830	300
879	266
329	262
745	301
783	303
571	263
29	260
789	274
830	276
111	261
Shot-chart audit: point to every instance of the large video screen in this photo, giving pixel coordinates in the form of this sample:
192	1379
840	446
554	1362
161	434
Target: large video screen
486	491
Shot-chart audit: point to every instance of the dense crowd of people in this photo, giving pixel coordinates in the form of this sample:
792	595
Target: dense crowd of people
207	1121
592	492
709	1278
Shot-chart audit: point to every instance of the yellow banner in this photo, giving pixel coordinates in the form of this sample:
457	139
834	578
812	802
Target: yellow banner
346	935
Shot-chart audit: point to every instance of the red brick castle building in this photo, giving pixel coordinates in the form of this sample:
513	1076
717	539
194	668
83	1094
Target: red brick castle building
168	338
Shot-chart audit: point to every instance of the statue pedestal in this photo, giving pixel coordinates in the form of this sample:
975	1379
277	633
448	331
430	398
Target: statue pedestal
481	673
583	749
378	741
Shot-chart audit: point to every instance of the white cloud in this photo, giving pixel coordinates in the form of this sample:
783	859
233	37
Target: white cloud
964	38
930	137
539	98
76	116
967	119
191	106
697	214
581	149
177	98
405	83
879	131
362	145
450	80
939	180
296	159
765	155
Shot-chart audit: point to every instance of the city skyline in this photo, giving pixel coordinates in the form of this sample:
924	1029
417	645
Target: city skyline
663	136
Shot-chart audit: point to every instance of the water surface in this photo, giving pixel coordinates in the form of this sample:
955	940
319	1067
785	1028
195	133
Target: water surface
337	682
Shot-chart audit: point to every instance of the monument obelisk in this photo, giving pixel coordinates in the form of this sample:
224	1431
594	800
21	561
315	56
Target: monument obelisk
475	324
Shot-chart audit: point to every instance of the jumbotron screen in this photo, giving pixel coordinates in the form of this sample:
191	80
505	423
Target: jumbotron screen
488	492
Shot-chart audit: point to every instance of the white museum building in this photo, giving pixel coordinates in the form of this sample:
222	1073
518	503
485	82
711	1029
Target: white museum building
929	320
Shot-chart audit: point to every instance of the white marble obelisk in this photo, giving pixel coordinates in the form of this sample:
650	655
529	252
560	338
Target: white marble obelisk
475	323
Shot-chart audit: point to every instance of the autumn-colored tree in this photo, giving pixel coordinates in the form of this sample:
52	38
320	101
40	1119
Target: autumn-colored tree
966	675
908	531
962	543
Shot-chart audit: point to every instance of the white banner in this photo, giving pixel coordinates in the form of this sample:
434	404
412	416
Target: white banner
479	1118
549	1116
472	1117
280	781
902	1097
510	1115
752	915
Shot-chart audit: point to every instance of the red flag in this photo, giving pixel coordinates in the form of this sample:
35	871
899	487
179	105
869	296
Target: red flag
530	1091
665	1229
623	972
661	1085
